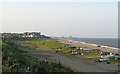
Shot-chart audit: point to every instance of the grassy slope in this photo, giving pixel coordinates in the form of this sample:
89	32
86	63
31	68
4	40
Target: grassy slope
54	44
16	60
44	44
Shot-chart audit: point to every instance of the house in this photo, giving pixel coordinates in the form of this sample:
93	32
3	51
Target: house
6	35
31	34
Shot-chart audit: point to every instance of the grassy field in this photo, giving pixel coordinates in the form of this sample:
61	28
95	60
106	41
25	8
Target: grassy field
60	48
44	44
56	46
15	59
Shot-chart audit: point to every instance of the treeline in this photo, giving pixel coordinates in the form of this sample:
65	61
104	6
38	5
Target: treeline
17	38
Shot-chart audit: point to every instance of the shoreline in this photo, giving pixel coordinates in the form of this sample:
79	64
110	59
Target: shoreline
82	45
96	45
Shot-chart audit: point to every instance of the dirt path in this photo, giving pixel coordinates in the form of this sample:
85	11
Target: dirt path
77	64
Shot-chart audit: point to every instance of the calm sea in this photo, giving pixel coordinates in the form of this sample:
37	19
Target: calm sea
108	42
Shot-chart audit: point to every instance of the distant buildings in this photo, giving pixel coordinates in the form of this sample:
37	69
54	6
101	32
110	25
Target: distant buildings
70	36
6	35
31	34
25	34
67	37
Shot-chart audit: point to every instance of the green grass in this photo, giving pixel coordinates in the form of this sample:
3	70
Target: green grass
44	44
92	53
15	59
55	45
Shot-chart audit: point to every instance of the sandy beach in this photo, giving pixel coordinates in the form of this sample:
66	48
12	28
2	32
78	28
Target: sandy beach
73	43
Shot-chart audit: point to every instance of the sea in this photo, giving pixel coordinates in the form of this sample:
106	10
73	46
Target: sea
103	42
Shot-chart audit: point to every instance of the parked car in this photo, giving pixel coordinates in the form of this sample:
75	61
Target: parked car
103	59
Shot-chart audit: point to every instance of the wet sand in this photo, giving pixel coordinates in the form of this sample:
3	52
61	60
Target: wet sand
73	43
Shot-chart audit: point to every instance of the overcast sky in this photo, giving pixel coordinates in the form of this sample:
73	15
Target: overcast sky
80	19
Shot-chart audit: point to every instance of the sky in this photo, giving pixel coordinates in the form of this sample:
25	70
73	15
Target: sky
60	0
79	18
